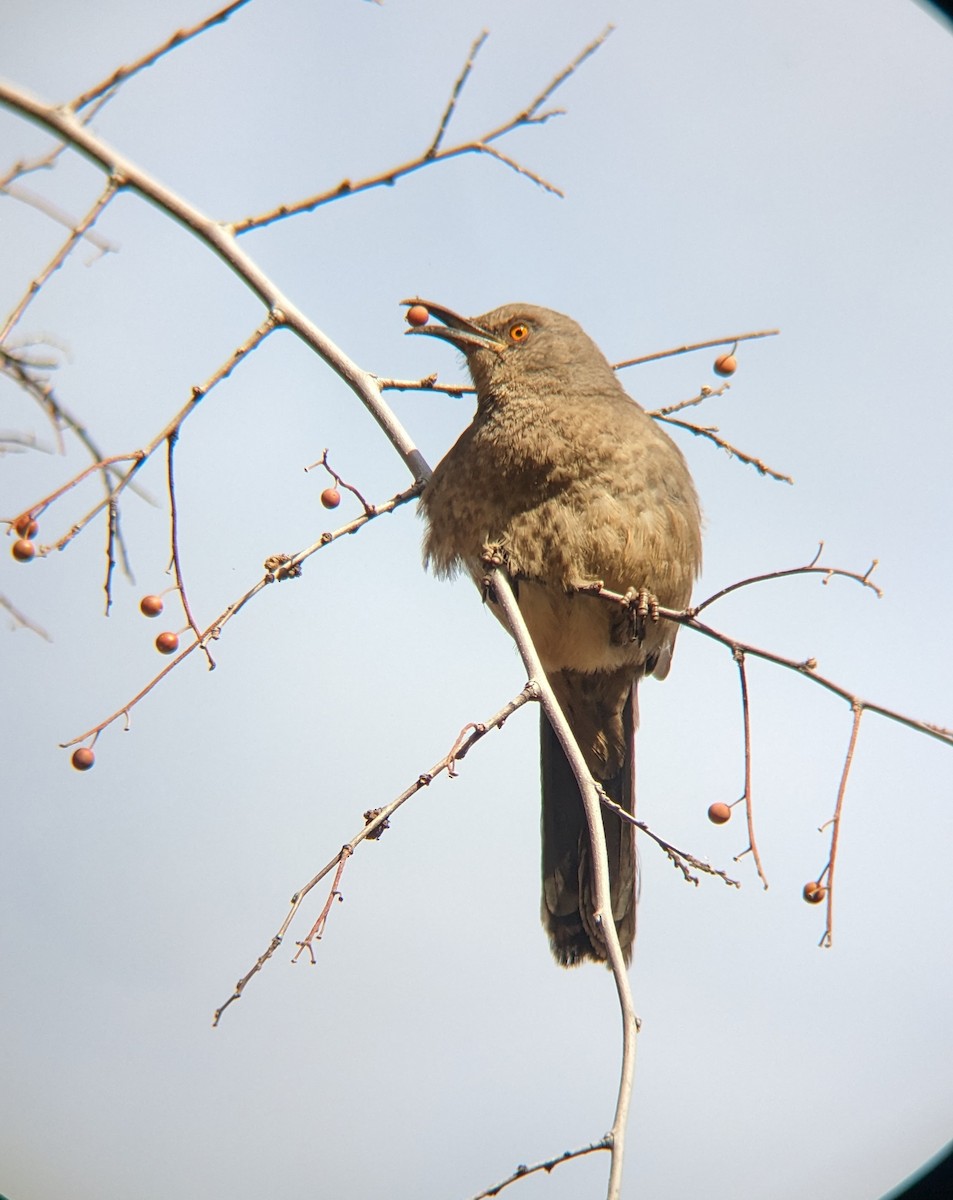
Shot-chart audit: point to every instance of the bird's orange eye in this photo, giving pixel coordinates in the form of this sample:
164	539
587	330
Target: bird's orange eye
519	332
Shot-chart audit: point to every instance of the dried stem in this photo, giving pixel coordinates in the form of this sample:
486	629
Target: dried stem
810	568
278	568
502	592
121	74
427	384
221	240
680	859
691	346
378	820
747	797
138	458
434	153
317	930
455	94
548	1166
21	619
57	214
711	433
112	534
706	393
171	441
60	257
858	709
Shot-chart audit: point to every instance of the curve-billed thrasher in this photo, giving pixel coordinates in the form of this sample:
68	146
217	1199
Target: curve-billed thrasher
563	478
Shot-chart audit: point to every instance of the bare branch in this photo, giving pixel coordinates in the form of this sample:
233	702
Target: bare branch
171	441
705	394
221	240
548	1166
22	620
55	213
747	796
455	94
691	346
502	591
59	257
711	433
827	939
278	568
810	568
433	153
679	858
119	76
374	822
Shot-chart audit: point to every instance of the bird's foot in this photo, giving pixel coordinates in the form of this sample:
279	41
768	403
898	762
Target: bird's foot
494	555
641	607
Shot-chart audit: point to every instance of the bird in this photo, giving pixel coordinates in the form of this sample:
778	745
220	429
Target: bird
564	480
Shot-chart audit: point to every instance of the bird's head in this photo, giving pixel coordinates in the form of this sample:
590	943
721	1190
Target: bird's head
518	343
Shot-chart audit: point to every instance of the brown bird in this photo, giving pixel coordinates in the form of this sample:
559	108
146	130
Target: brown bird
563	478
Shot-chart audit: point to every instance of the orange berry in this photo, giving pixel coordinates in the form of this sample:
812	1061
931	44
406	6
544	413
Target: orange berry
83	758
151	606
23	550
719	813
167	643
814	892
26	527
417	315
726	364
330	497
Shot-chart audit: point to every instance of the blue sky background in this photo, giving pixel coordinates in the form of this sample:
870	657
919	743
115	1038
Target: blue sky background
726	168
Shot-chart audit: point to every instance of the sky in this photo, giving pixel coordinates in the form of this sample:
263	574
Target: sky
725	169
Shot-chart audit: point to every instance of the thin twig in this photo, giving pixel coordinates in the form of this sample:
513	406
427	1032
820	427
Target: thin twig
455	94
221	240
55	213
121	74
378	820
810	568
858	709
317	930
60	257
690	346
548	1166
21	619
711	433
747	797
434	153
138	458
427	384
807	668
278	568
678	858
112	533
706	393
176	563
498	583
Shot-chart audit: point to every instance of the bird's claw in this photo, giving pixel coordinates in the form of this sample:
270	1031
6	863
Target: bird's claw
641	607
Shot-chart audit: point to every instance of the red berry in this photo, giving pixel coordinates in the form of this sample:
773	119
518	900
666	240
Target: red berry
167	643
23	550
83	758
151	606
330	497
719	813
814	892
726	364
417	315
26	527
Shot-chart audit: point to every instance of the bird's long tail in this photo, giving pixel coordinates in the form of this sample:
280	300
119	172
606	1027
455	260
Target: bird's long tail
602	711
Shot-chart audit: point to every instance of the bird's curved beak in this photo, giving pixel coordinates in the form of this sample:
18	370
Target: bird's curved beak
459	331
